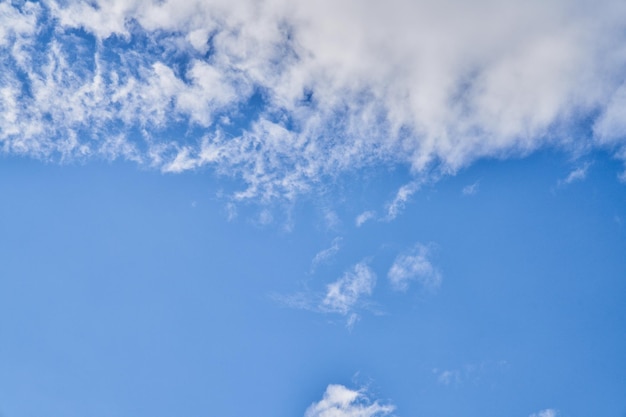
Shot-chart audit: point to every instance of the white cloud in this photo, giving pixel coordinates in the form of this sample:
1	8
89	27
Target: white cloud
344	294
395	207
610	127
447	377
364	217
577	174
17	23
471	189
300	301
340	401
325	254
265	217
470	372
231	211
331	219
352	320
430	85
545	413
414	265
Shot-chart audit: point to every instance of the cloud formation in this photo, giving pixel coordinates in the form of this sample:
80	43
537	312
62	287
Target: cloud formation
364	217
325	254
447	377
577	174
545	413
344	294
471	189
396	206
470	372
414	265
339	401
285	94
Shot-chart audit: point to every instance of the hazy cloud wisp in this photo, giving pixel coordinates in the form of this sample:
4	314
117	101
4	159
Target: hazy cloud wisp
545	413
414	265
343	294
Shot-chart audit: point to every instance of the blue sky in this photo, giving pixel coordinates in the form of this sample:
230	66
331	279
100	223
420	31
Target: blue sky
338	209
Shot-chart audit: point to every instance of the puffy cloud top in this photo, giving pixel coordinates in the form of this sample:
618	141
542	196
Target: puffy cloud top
339	401
286	93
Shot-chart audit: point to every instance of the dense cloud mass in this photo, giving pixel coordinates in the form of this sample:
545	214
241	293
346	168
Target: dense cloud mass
283	94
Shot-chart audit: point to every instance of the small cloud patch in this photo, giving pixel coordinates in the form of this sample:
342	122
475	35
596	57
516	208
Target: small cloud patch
344	294
471	189
340	401
578	174
326	254
414	265
364	217
549	412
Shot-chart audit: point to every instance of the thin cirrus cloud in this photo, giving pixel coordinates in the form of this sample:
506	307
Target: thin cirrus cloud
364	217
403	195
578	174
471	189
414	265
447	377
470	372
340	401
325	255
549	412
345	296
283	94
348	295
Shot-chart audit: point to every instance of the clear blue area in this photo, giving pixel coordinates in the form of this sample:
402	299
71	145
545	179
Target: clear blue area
126	292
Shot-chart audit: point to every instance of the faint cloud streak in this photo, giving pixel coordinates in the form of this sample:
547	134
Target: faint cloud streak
549	412
364	217
578	174
326	254
471	189
344	297
396	206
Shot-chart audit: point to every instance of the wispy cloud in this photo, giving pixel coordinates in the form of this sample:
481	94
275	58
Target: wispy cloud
331	219
578	174
340	401
349	294
470	372
471	189
302	300
353	318
231	211
447	377
549	412
326	254
344	294
283	94
364	217
395	207
264	218
414	265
